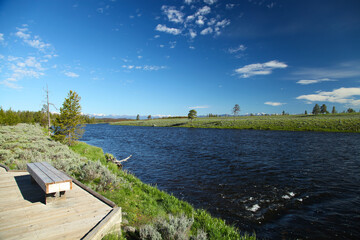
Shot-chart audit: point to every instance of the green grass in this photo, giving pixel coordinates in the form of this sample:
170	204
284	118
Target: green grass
143	203
323	123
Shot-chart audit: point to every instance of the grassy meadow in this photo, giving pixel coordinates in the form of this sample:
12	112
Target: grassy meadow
155	214
344	122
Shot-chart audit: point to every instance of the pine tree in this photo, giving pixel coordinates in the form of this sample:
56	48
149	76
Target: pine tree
192	114
316	109
323	109
138	117
333	110
236	109
306	112
67	125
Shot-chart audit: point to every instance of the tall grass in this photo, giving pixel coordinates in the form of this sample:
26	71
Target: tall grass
147	207
324	123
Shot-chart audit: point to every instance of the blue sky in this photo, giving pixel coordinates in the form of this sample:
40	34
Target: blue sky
128	57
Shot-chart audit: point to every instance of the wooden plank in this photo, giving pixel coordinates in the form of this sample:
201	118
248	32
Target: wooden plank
111	222
49	172
58	173
33	169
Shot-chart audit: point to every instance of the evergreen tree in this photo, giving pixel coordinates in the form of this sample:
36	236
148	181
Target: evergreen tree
333	110
236	109
316	109
149	117
67	126
350	110
138	117
2	116
306	112
323	109
192	114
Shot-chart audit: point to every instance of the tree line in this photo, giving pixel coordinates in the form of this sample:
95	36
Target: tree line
323	110
10	117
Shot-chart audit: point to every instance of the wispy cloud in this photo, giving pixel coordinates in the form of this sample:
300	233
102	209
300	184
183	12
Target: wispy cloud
259	68
341	95
173	15
164	28
274	104
202	20
72	74
35	42
19	68
144	67
240	48
210	2
313	81
199	107
1	37
339	71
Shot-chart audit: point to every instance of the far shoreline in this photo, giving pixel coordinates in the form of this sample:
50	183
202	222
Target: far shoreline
344	122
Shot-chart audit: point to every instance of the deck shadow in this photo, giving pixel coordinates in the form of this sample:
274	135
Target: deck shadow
31	192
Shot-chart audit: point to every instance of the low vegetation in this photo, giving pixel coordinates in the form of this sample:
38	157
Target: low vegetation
342	122
156	214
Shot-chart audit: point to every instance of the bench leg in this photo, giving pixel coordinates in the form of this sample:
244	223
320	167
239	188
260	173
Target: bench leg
53	197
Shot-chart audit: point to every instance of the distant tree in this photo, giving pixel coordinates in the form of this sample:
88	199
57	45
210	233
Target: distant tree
306	112
333	111
316	109
350	110
67	126
138	117
192	114
149	117
236	109
2	116
283	112
323	109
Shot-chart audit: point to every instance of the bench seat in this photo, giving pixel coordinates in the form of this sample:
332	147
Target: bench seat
52	181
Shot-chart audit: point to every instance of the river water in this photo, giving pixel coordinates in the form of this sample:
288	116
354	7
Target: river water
280	184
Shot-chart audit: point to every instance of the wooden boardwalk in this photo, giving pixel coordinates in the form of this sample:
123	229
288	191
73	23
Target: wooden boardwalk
23	214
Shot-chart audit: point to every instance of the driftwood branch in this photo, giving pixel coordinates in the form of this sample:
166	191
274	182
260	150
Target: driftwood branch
124	160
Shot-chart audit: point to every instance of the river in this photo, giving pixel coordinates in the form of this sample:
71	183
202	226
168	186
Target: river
279	184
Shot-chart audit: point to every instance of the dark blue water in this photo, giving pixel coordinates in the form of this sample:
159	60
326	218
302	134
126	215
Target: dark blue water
279	184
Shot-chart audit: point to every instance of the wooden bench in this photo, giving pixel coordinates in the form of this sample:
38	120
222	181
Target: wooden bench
52	181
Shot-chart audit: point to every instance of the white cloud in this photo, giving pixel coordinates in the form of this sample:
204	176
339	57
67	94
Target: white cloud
35	42
223	23
210	2
200	20
240	48
1	37
206	31
203	11
259	68
173	14
274	104
164	28
342	70
188	2
71	74
192	33
307	82
198	107
340	95
156	36
172	44
230	5
144	67
10	84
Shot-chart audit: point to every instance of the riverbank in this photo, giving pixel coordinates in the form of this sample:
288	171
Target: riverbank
146	206
344	122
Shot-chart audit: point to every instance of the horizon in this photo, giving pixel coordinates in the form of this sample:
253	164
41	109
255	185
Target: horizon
164	58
